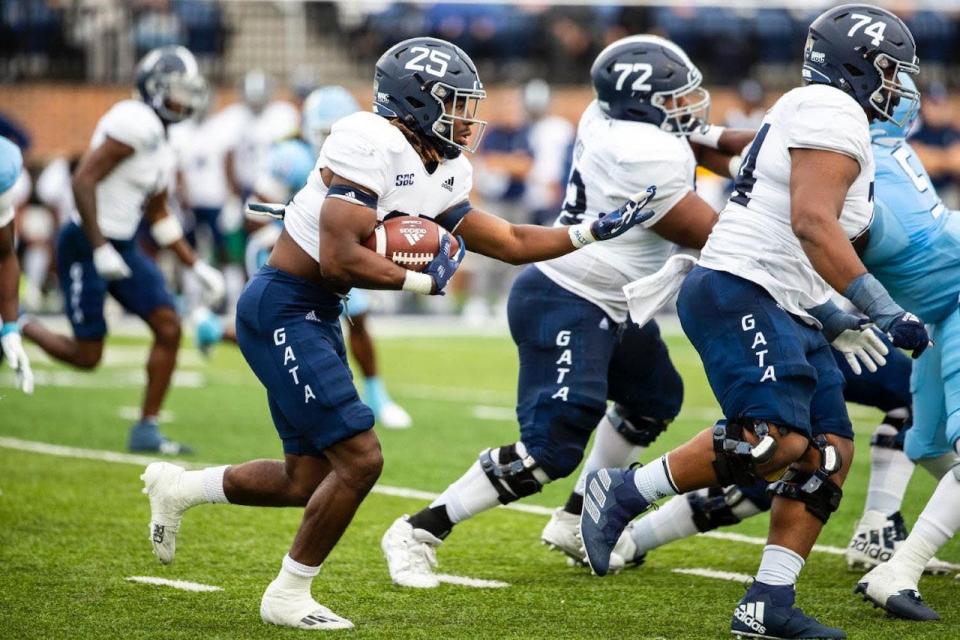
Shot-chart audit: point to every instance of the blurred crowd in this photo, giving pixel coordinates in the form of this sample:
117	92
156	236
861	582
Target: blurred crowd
98	40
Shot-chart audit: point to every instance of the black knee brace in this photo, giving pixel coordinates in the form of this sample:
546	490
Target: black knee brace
513	472
715	509
736	461
816	490
635	429
900	420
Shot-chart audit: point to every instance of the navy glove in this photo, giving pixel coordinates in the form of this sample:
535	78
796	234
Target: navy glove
610	225
442	267
909	332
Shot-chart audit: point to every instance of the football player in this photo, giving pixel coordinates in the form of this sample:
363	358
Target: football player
121	179
288	166
11	345
757	309
568	316
407	157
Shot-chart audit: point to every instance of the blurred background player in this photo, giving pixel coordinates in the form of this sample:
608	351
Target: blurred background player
289	164
549	138
11	345
123	178
568	316
287	322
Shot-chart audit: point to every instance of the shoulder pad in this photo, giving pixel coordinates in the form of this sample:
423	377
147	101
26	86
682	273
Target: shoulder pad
374	129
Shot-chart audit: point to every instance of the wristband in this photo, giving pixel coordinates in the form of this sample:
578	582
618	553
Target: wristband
166	231
418	283
868	295
8	328
709	137
581	235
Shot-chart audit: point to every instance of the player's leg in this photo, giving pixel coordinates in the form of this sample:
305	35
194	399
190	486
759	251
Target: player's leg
564	345
894	585
84	292
647	393
145	294
388	413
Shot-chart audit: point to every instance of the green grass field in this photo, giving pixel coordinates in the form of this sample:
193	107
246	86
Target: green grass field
72	530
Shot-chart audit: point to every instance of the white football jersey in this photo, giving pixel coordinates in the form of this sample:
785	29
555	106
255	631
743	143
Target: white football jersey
121	195
753	238
366	149
253	134
612	161
200	148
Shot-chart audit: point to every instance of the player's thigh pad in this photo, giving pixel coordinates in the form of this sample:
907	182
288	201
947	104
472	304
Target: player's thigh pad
927	437
288	330
83	289
641	378
828	410
887	388
947	333
145	290
754	353
564	344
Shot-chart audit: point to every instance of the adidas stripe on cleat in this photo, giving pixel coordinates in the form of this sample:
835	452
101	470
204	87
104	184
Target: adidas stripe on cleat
610	502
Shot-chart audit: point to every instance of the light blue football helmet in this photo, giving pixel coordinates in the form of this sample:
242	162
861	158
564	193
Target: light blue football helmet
906	113
321	109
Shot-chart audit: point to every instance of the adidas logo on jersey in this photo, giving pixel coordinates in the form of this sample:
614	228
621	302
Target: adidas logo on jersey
751	614
312	316
413	234
448	184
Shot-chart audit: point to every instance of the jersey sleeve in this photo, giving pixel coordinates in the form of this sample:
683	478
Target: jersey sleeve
831	121
354	155
134	124
673	179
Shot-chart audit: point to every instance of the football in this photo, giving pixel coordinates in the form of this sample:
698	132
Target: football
409	241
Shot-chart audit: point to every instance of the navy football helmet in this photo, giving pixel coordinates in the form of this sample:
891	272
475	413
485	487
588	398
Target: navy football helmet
430	85
169	80
863	50
650	79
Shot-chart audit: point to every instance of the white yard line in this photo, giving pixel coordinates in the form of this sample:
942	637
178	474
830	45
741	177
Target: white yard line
496	414
134	413
713	573
477	583
386	490
110	379
183	585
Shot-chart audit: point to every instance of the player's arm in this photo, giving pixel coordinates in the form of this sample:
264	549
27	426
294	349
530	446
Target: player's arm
819	181
168	233
688	223
345	223
9	275
719	148
94	167
230	171
496	238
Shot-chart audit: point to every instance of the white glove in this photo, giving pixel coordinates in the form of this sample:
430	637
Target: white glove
18	360
109	263
863	345
212	280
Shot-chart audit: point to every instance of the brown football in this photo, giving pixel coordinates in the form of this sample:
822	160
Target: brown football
409	241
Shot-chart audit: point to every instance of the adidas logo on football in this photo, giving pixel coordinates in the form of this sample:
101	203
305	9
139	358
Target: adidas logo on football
413	234
751	614
448	184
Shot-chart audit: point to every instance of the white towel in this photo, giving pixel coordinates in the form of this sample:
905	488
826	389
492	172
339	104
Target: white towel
647	295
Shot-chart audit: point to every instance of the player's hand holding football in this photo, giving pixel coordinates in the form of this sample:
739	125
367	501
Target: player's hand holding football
442	267
615	223
109	263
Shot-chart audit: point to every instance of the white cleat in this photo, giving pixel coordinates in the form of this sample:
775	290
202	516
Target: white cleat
393	416
411	555
161	483
562	533
874	542
894	593
298	610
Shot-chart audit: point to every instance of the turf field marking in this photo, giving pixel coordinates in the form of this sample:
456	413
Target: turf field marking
183	585
386	490
110	379
713	573
498	414
133	413
477	583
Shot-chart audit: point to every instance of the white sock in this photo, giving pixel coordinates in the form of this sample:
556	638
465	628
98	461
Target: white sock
471	494
672	521
779	566
609	450
653	481
890	471
204	486
295	576
938	523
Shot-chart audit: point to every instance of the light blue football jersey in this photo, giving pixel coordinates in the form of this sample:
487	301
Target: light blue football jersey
914	246
290	162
